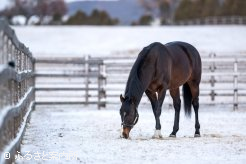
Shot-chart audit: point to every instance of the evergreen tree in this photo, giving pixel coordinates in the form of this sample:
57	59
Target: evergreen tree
80	18
211	8
197	8
145	20
226	8
96	18
183	11
165	11
239	8
101	18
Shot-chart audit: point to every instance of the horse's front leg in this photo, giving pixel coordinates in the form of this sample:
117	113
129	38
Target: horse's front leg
157	113
154	103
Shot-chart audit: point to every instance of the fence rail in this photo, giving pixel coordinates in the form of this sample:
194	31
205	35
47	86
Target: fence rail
70	81
223	80
16	91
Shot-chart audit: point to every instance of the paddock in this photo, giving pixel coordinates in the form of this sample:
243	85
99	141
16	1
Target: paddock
66	110
93	136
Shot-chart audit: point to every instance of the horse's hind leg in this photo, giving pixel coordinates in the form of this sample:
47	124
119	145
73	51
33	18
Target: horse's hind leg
195	104
194	88
177	104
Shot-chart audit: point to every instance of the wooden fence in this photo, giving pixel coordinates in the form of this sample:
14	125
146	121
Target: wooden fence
16	91
240	20
227	80
70	81
83	80
223	79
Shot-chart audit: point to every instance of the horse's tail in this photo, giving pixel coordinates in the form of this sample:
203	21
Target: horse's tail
187	99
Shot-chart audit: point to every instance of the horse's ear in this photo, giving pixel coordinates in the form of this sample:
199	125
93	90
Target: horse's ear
133	100
122	99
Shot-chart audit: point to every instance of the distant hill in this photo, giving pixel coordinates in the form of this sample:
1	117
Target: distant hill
126	11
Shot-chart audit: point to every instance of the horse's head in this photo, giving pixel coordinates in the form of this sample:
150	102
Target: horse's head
129	115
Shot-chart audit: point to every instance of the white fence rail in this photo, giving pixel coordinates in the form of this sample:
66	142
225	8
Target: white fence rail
70	81
223	80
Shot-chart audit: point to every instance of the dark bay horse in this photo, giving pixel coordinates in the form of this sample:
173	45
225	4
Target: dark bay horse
159	68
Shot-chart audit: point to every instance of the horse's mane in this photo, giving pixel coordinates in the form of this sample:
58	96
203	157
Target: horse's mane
134	85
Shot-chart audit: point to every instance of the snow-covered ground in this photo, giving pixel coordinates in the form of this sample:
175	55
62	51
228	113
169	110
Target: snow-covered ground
92	136
82	40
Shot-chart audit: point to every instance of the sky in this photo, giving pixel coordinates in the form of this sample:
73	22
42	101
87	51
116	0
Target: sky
4	3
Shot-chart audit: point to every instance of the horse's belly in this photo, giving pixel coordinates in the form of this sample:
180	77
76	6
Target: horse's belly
179	79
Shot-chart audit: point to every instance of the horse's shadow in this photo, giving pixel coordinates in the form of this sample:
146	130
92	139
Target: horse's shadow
167	138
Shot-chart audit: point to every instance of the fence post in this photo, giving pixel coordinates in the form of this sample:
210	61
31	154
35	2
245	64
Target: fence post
1	47
33	81
86	79
101	84
212	78
235	99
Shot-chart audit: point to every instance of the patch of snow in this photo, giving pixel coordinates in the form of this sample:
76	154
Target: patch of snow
2	67
95	136
33	20
156	22
95	41
19	20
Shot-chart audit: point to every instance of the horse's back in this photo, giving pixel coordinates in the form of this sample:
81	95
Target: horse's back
186	49
182	51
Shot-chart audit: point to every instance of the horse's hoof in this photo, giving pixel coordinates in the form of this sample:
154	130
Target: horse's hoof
157	134
197	135
172	136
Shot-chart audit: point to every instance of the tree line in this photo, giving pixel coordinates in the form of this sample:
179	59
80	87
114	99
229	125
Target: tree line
51	12
95	18
171	11
193	9
168	11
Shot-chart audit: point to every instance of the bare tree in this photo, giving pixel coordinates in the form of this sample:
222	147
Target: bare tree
42	8
149	5
165	8
19	7
57	9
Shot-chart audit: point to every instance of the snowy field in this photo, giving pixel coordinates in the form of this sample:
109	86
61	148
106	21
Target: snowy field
92	136
80	41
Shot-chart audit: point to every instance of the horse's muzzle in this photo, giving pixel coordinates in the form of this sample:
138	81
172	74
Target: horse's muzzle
126	132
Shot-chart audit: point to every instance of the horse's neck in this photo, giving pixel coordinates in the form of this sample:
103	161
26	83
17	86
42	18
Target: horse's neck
136	90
